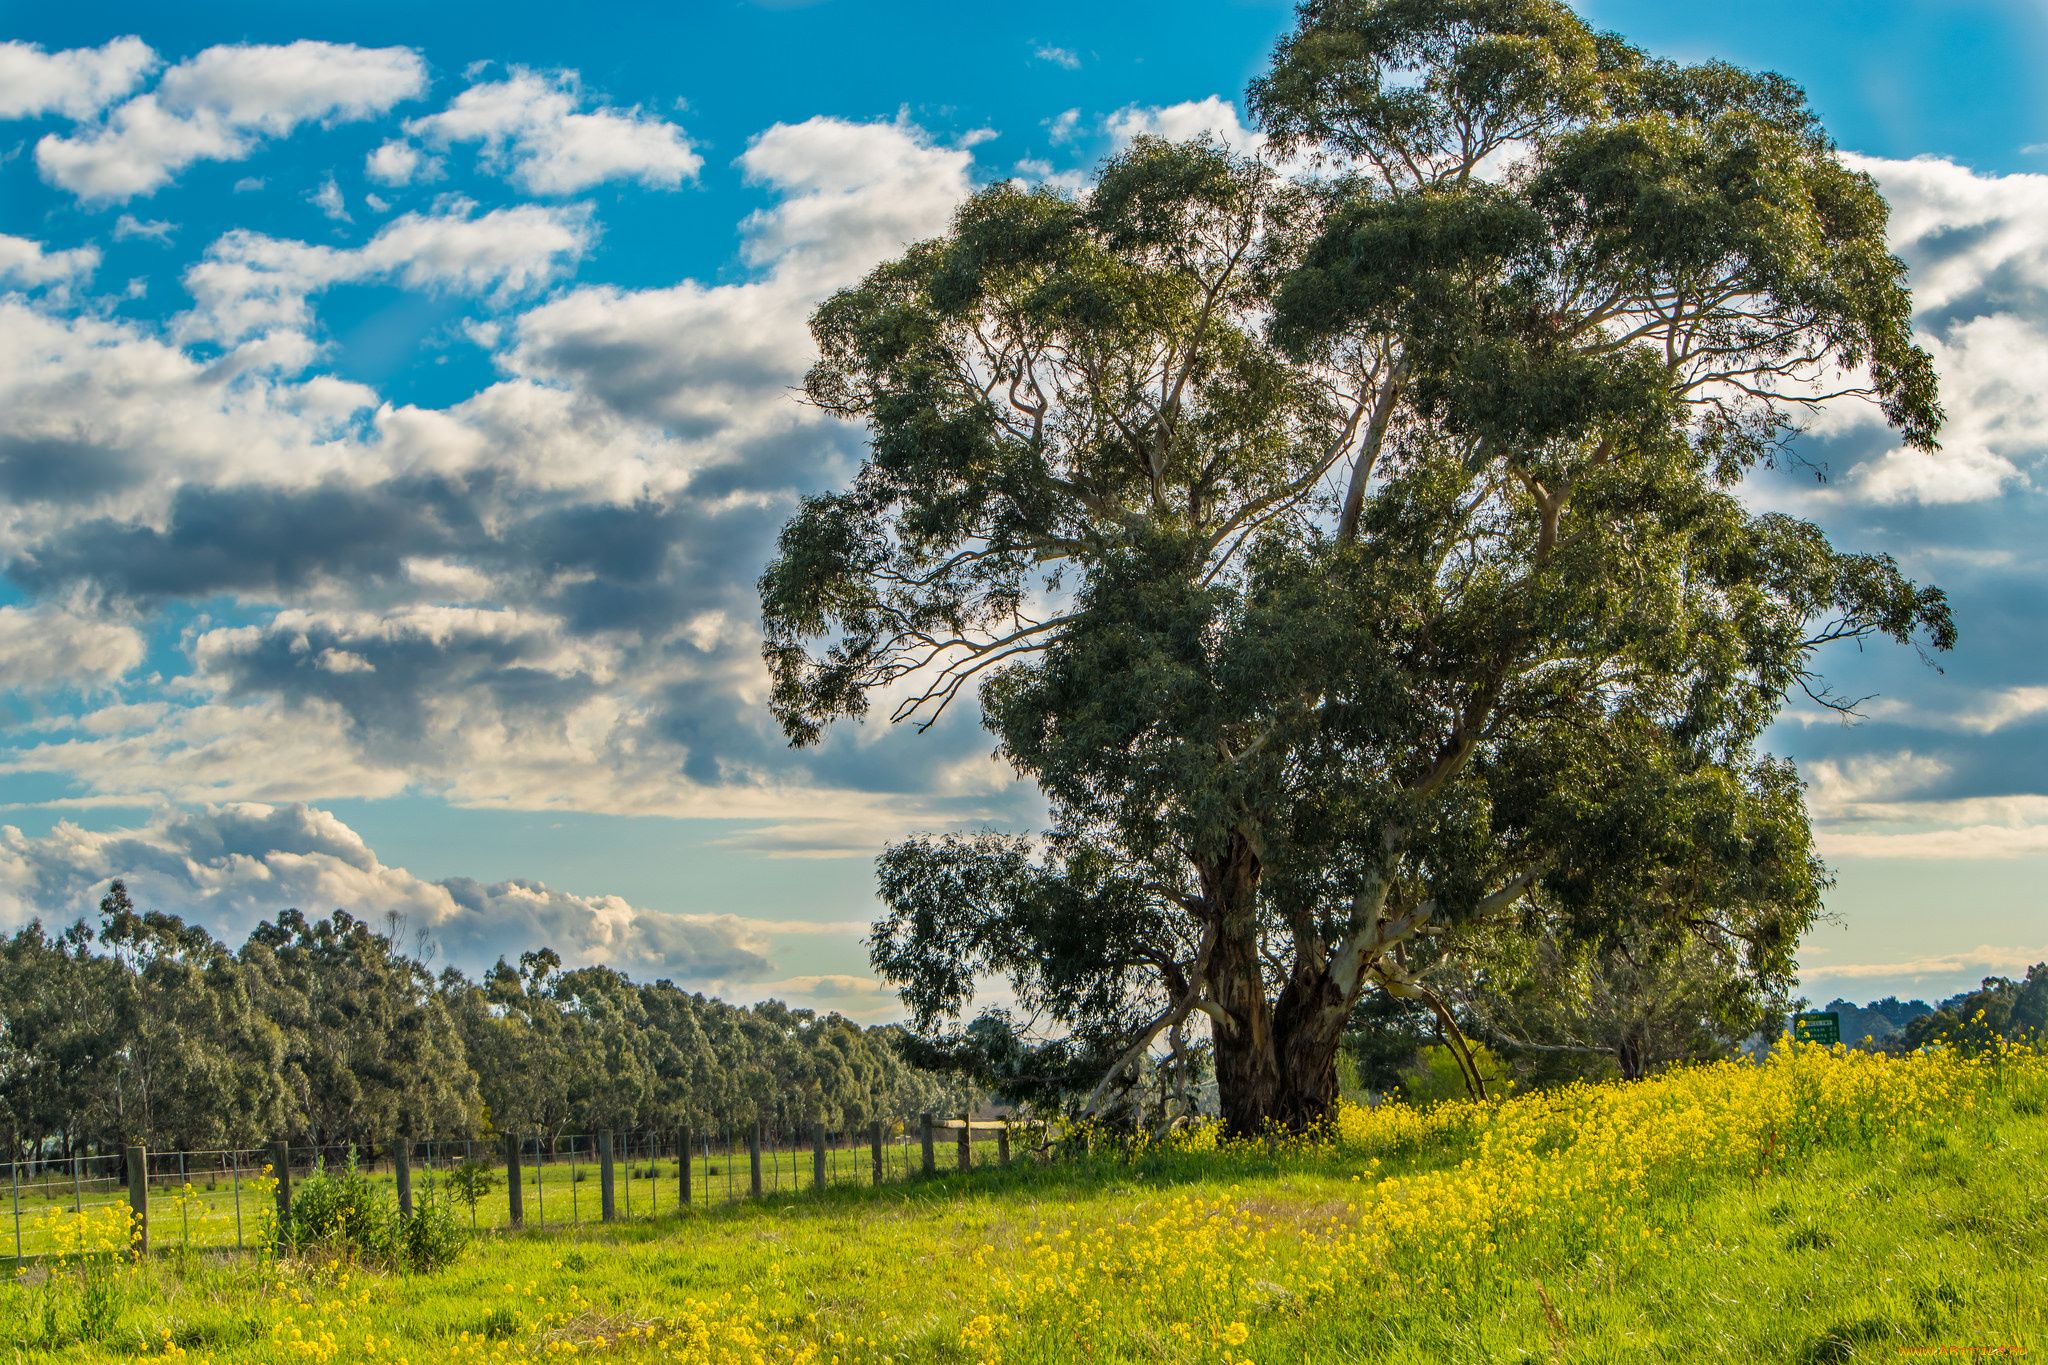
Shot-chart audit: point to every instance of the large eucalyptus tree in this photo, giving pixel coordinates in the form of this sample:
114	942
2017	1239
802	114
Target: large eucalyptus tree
1347	552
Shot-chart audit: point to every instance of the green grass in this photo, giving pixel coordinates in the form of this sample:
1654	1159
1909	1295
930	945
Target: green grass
1936	1240
558	1191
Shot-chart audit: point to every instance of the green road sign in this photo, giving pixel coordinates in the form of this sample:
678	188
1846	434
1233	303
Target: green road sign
1822	1026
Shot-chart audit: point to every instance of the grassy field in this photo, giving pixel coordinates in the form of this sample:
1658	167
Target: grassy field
1827	1206
218	1209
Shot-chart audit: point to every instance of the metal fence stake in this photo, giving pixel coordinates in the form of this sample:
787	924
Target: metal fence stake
236	1168
754	1153
604	1175
924	1124
283	1158
683	1157
401	1176
14	1170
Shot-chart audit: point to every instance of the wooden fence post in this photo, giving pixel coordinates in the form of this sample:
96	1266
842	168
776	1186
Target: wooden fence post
138	1199
515	1188
401	1175
818	1156
966	1141
683	1171
875	1145
281	1167
754	1153
604	1175
1003	1144
924	1125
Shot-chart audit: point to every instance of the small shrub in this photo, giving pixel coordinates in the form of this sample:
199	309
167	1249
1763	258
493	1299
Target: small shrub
433	1237
473	1180
342	1212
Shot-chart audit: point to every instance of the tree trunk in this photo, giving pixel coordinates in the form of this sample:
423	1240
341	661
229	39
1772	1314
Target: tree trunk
1247	1069
1308	1027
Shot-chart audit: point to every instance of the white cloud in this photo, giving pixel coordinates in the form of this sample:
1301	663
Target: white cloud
1836	789
1065	127
76	83
1968	842
539	597
399	163
54	645
1983	960
1978	249
25	264
855	194
128	226
228	866
220	105
720	360
1058	56
2007	706
1215	116
330	201
533	133
250	284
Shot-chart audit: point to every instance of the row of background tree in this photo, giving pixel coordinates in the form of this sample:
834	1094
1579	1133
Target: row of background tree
327	1032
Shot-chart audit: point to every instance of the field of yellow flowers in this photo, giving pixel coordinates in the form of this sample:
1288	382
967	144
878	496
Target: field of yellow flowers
1827	1205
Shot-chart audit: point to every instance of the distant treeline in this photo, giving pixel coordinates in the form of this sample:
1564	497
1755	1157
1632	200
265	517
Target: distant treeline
326	1031
2000	1008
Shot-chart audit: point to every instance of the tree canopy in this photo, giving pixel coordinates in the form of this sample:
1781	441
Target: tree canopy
1349	541
328	1032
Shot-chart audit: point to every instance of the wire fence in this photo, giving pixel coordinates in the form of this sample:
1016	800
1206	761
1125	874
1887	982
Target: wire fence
232	1199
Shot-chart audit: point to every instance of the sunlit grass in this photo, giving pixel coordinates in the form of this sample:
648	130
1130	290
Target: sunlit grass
1828	1206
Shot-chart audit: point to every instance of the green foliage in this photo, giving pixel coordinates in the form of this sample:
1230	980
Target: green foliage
341	1213
473	1180
1436	1076
329	1033
1977	1021
433	1238
344	1215
1288	733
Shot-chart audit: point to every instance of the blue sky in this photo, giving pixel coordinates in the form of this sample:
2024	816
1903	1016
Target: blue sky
394	416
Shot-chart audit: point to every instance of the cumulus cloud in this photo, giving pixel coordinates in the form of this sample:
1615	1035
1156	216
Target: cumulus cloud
1977	246
229	866
220	106
76	83
540	596
56	645
1058	56
533	131
1215	116
398	163
703	360
25	264
249	284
